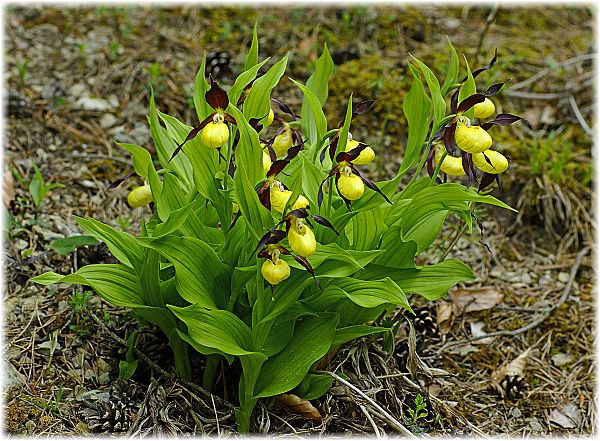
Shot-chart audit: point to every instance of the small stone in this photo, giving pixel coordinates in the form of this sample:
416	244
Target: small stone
21	244
13	379
560	359
88	184
563	277
63	305
516	412
96	104
30	426
77	90
104	378
535	425
108	120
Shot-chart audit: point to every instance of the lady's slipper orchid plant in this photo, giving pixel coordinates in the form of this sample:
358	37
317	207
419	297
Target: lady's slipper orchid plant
203	283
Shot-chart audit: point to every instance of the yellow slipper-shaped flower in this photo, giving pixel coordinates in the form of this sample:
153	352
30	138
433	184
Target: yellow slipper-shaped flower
472	139
215	134
350	186
301	238
275	273
366	156
283	142
140	196
280	197
484	109
451	165
499	163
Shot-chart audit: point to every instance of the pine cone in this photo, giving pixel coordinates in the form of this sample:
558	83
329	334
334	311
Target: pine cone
218	64
117	414
425	322
513	386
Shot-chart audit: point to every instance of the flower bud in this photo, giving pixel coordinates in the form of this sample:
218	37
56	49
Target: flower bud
275	273
283	142
266	161
350	186
472	139
235	208
215	134
301	238
451	165
366	156
269	119
499	163
484	109
140	196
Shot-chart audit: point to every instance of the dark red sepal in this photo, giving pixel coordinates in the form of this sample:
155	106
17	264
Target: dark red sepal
119	181
271	237
486	180
216	97
264	196
494	88
284	107
193	133
362	107
369	183
448	139
277	167
322	221
470	101
502	119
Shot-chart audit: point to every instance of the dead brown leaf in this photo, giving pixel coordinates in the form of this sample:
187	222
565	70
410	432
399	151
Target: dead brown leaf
471	300
444	317
299	406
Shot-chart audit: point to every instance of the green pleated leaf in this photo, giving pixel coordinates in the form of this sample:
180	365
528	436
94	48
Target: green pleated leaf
252	56
311	340
66	245
314	123
122	245
349	333
216	328
467	89
416	107
451	71
201	278
431	282
439	104
257	103
200	88
372	293
243	80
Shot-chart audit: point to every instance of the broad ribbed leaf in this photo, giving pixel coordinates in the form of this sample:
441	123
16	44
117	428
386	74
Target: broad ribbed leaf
416	107
200	276
200	89
431	282
372	293
252	56
216	328
467	89
314	123
311	340
257	103
243	80
439	104
122	245
348	333
452	71
165	146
